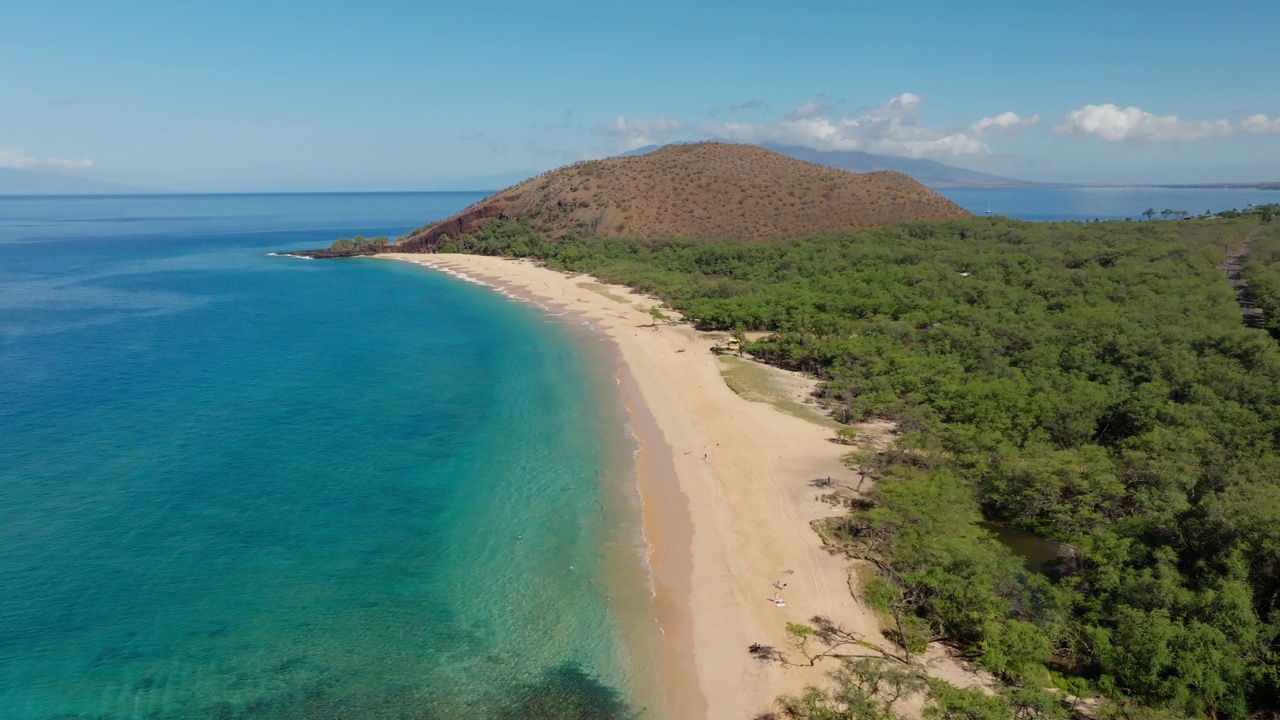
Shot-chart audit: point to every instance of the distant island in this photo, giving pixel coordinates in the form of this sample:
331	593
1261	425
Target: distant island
941	175
22	181
1219	186
927	172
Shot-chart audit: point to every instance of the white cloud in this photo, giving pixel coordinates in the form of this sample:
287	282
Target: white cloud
1260	125
1138	127
891	129
16	159
635	133
1006	123
806	111
902	105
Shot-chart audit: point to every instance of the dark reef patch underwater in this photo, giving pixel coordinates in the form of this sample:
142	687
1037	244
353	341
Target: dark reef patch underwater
567	692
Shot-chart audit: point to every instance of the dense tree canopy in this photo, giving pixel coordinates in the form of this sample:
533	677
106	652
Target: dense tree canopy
1092	383
1263	270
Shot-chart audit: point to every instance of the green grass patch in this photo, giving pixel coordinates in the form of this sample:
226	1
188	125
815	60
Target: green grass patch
760	383
604	290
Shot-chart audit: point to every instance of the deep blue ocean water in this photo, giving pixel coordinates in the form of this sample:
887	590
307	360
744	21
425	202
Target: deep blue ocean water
1101	203
240	486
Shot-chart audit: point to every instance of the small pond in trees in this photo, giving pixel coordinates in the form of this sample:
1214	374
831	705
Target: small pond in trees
1039	554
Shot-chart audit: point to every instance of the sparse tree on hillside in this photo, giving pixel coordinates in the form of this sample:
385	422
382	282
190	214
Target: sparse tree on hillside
1149	213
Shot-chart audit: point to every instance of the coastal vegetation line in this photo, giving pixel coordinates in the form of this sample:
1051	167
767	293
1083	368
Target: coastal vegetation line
1089	382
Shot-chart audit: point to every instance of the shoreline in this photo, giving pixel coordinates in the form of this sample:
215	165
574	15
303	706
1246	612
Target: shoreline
726	500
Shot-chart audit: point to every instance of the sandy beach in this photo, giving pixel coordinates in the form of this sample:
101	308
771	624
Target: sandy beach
728	500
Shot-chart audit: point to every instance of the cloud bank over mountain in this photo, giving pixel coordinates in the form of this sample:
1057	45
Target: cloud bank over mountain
894	128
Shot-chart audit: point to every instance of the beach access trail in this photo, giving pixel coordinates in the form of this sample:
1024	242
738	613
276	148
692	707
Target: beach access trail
727	495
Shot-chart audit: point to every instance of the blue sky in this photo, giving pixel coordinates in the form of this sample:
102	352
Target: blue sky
285	95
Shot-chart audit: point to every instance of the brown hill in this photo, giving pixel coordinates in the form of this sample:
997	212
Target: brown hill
703	190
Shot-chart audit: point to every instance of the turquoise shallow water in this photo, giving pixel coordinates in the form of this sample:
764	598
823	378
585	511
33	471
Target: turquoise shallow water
242	486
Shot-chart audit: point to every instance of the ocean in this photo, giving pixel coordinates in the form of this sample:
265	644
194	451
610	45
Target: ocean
240	486
1102	203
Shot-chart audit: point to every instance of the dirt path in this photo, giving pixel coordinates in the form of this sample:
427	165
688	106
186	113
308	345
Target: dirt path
1236	259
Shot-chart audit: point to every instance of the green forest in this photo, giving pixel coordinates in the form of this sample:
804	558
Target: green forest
1090	382
1263	274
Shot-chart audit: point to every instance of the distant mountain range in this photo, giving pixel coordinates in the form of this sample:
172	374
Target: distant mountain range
928	172
15	181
